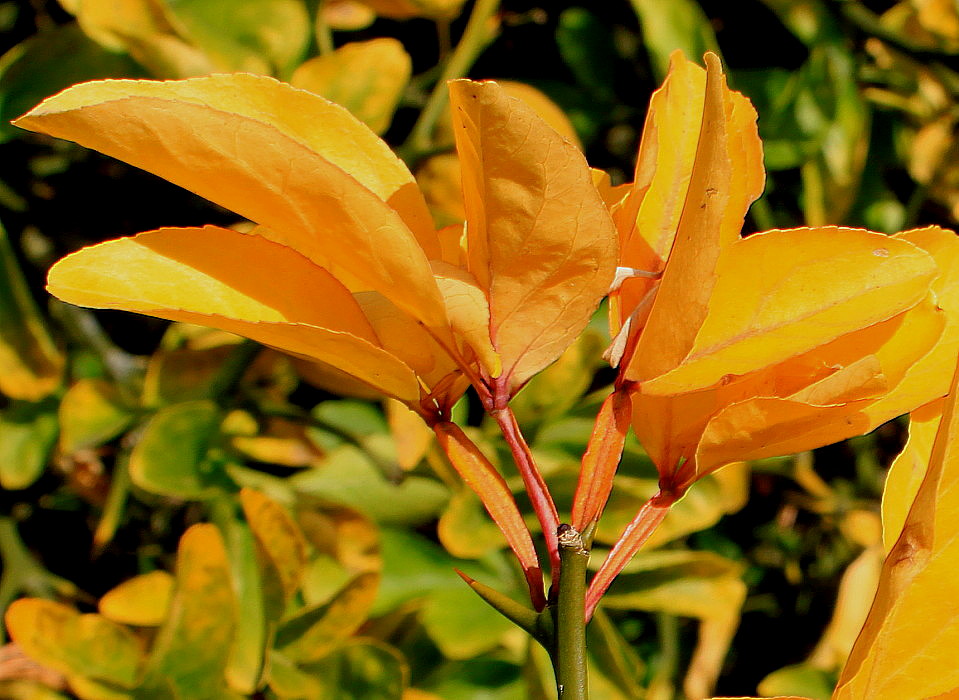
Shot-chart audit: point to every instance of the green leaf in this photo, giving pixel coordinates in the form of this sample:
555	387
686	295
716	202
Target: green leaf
830	117
462	624
257	36
356	419
358	670
183	374
677	24
350	477
87	648
48	62
834	109
30	363
414	567
486	678
678	582
191	649
28	433
171	457
800	680
245	665
91	413
465	528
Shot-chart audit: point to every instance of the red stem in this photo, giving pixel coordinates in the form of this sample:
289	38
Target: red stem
634	536
533	481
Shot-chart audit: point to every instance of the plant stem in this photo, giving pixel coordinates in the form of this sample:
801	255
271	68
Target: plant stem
569	658
115	503
23	574
471	44
533	481
233	368
324	35
662	686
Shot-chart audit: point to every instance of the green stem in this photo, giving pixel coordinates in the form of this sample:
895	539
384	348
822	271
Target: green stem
114	506
569	658
23	574
662	685
233	368
324	35
475	38
125	369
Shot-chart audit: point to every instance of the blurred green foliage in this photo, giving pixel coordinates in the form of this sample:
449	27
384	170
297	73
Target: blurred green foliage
191	518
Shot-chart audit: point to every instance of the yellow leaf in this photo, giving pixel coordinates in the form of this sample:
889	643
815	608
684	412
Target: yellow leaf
739	348
252	144
329	378
782	293
411	435
344	534
348	15
191	648
548	111
142	600
203	276
649	214
439	176
366	77
86	647
31	366
856	589
403	337
910	636
314	632
927	379
110	22
540	242
278	536
147	31
406	9
907	471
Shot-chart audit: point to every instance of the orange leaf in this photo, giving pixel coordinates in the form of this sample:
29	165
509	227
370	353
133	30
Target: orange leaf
600	460
306	169
541	243
468	313
203	276
725	178
489	485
